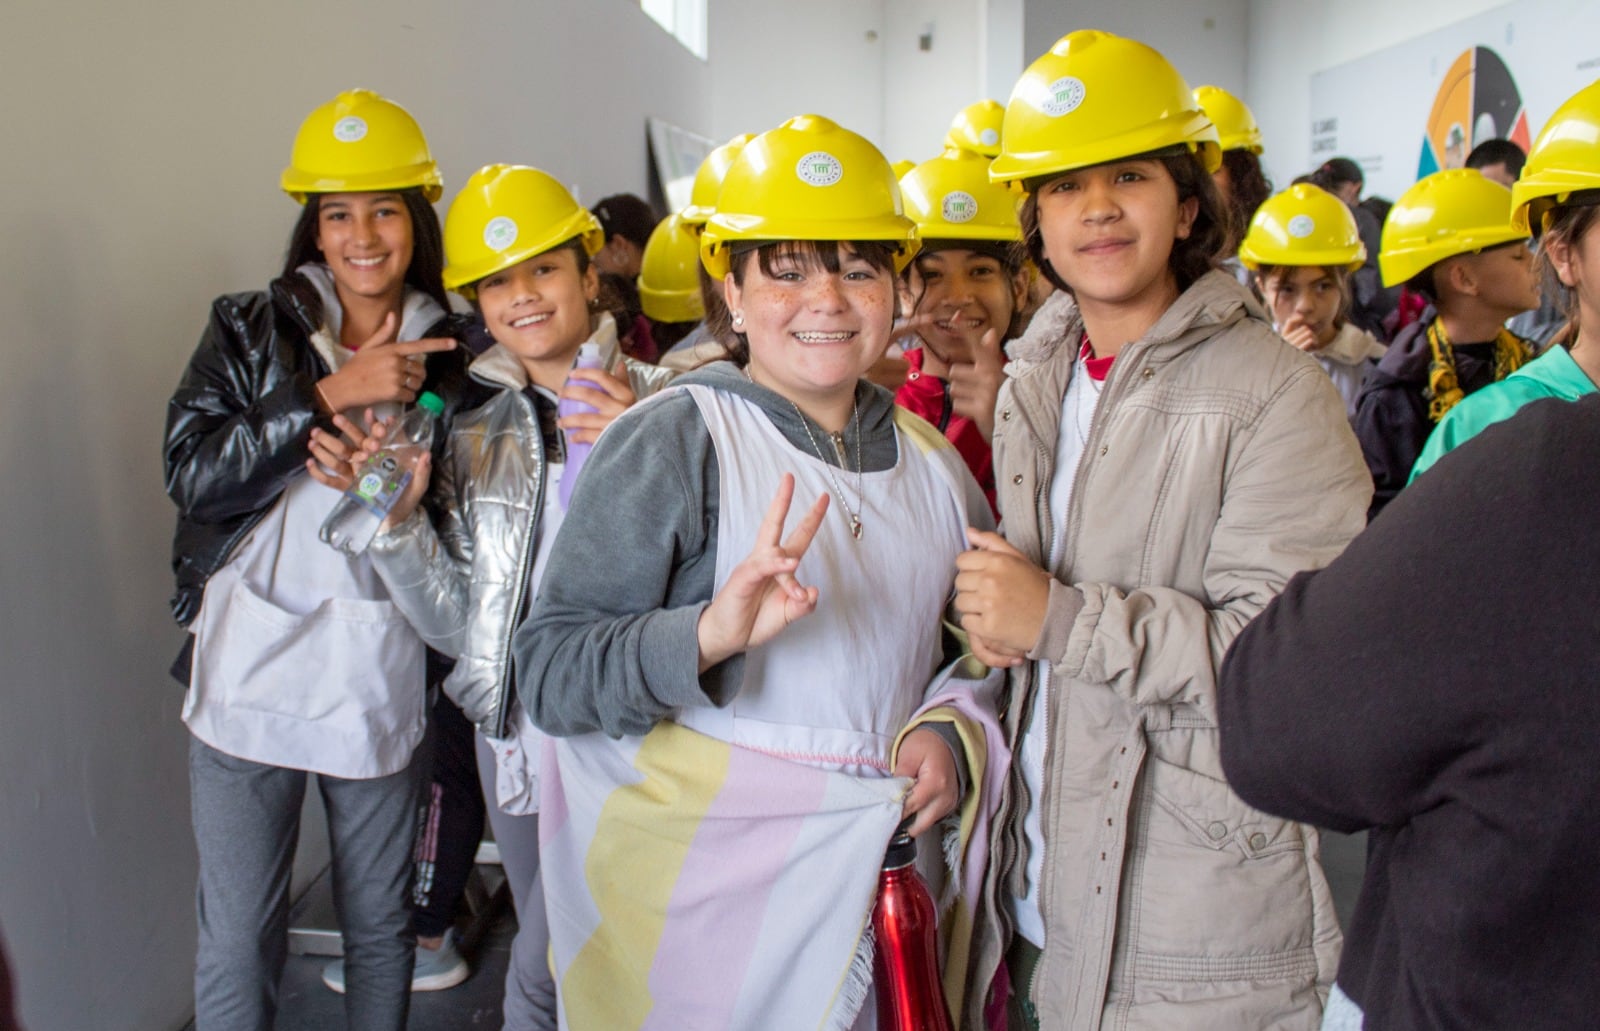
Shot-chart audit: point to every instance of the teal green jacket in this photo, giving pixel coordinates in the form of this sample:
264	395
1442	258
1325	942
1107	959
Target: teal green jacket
1552	374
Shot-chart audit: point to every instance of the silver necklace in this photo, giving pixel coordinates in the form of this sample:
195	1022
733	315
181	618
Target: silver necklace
838	489
855	419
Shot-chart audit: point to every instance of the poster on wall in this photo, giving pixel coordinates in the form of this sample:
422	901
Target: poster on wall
1410	110
676	154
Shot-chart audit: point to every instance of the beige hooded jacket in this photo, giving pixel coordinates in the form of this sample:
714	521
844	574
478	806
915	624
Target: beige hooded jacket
1219	463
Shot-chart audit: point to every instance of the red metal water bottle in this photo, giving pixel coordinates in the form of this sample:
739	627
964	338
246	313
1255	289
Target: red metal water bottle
905	964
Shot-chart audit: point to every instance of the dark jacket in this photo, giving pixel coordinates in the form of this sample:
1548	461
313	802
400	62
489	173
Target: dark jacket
1391	419
239	422
1436	684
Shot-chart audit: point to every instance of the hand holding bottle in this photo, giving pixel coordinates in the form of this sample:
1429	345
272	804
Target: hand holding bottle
385	477
926	758
609	396
371	444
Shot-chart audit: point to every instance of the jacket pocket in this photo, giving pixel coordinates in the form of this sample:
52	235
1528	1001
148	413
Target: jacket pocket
1221	891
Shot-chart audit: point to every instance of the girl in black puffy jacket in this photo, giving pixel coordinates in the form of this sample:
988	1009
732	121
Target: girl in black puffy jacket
297	660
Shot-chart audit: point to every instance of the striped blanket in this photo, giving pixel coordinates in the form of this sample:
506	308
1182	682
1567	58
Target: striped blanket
692	883
696	884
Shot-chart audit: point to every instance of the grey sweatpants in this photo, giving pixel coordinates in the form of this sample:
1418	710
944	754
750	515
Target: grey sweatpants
530	1003
246	824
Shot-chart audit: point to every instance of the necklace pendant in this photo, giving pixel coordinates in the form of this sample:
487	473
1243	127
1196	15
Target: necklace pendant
855	527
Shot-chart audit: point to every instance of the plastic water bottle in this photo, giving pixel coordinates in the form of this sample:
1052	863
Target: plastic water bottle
359	512
588	358
905	963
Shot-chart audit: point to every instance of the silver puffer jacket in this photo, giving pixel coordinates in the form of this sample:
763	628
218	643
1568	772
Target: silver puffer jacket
463	585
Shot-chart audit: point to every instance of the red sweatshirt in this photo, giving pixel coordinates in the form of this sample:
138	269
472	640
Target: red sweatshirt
929	396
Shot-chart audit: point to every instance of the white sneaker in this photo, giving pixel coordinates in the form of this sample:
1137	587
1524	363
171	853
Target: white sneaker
436	969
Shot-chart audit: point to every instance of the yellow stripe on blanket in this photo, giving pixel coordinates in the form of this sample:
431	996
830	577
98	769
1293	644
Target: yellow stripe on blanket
641	841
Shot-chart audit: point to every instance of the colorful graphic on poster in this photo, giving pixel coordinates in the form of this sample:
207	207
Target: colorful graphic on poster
1478	100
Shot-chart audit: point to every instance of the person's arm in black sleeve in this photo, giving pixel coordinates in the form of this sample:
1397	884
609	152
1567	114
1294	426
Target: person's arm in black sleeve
611	643
228	453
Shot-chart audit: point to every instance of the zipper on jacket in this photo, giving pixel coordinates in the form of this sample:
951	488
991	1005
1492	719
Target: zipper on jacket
838	447
524	567
947	408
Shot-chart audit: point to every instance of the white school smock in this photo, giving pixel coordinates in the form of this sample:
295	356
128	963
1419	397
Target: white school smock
835	688
300	658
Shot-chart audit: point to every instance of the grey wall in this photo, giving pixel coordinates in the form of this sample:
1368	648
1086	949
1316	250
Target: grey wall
1205	39
142	149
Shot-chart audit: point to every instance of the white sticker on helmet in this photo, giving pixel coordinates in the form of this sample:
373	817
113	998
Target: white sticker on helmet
1302	226
819	168
1062	96
500	233
349	129
988	137
959	206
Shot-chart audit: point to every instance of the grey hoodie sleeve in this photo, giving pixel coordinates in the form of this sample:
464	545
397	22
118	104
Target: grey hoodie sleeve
611	642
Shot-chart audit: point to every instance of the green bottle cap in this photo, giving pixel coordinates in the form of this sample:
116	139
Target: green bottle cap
432	402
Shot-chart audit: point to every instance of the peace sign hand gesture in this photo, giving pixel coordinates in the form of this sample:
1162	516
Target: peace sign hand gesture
762	596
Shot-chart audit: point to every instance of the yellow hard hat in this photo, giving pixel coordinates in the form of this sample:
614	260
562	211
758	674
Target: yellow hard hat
1303	225
359	142
1565	159
808	179
506	214
951	198
976	127
1456	211
669	274
901	167
708	181
1236	125
1096	97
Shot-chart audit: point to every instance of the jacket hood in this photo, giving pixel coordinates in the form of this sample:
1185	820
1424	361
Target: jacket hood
874	403
1352	345
419	313
1214	301
500	368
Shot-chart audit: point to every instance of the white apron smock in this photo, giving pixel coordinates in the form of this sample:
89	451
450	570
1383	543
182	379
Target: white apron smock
300	658
835	688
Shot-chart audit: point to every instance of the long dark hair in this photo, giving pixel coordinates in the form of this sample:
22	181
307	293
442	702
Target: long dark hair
1249	187
1191	258
426	271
